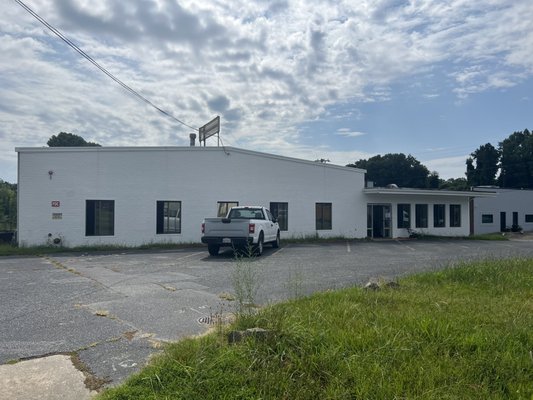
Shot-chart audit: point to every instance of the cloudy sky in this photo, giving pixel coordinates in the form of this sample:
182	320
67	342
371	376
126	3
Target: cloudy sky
340	80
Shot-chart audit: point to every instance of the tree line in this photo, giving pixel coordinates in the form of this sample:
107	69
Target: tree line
510	165
8	206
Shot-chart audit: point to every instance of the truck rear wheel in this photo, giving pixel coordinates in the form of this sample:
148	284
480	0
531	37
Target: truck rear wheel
259	246
213	249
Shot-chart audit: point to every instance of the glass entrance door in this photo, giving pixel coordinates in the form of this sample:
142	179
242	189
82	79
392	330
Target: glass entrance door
378	220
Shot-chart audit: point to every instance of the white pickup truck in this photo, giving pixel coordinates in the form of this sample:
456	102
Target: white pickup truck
243	226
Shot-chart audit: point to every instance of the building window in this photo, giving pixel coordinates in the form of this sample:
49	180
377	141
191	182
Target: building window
421	215
487	218
529	217
323	216
168	219
224	207
281	212
455	215
404	216
439	215
99	217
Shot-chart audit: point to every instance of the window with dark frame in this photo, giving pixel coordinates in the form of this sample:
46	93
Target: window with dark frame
224	207
99	217
439	215
404	216
168	218
323	216
281	212
421	215
455	215
487	218
529	218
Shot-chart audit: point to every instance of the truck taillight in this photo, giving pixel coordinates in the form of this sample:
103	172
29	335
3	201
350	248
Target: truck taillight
203	228
251	228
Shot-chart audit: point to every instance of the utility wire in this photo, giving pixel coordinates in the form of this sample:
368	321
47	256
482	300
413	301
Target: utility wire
92	61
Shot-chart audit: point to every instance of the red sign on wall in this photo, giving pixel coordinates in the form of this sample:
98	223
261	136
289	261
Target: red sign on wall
55	203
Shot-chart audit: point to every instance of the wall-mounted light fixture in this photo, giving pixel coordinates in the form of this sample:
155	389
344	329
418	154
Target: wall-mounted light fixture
50	173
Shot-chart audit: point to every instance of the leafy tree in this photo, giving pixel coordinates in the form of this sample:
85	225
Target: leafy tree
8	206
433	180
404	171
65	139
454	184
517	161
486	159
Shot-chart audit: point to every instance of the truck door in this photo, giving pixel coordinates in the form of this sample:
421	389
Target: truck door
271	227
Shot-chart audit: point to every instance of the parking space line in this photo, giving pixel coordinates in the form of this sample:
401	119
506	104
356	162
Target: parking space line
189	256
403	244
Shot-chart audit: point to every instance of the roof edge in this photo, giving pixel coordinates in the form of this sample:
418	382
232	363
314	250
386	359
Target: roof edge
226	149
428	192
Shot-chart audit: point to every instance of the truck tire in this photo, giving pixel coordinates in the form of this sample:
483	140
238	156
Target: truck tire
259	246
213	249
276	243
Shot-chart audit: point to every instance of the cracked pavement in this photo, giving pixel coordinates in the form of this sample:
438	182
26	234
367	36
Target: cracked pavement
114	310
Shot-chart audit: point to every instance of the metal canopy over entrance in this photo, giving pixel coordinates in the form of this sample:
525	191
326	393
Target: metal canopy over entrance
379	221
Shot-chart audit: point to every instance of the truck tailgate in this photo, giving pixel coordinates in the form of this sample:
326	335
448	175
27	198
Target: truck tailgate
235	228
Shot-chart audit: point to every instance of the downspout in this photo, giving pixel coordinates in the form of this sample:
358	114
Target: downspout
471	216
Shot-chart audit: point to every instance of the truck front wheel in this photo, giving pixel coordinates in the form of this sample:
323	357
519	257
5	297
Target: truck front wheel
213	249
276	243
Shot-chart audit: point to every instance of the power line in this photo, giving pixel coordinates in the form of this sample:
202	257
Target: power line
97	65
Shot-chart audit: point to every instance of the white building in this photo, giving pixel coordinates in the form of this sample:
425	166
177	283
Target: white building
510	208
142	195
393	212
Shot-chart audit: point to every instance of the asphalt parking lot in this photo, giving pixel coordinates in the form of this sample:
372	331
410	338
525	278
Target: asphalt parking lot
116	309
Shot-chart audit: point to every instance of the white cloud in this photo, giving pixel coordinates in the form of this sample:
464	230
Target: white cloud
448	167
349	133
264	67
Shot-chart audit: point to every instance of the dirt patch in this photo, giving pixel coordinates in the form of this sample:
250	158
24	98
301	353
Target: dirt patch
92	382
129	335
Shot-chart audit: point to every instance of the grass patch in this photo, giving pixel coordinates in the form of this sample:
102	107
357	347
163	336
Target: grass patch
485	236
10	250
316	238
488	236
463	332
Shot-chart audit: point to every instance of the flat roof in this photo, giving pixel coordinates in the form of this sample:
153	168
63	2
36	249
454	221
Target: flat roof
498	189
427	192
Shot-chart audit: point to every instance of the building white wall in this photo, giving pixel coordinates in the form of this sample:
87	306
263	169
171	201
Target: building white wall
439	198
199	177
508	201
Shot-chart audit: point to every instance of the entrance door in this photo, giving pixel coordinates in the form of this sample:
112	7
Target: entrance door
503	222
379	221
515	220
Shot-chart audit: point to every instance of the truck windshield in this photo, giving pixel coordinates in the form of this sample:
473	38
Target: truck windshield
246	213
